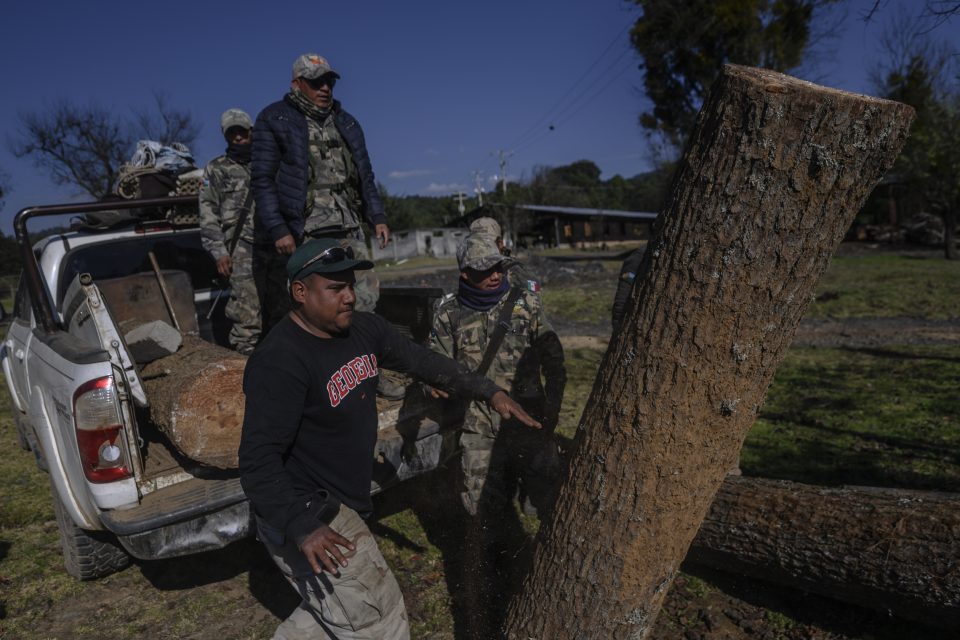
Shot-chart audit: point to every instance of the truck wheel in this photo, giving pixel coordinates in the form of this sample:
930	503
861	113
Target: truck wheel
88	555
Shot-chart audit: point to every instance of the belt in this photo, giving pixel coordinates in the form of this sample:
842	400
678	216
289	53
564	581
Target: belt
334	233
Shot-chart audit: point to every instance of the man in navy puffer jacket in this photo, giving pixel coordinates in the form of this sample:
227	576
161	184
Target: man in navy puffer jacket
311	178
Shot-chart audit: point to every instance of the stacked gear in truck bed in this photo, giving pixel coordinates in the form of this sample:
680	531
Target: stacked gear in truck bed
157	170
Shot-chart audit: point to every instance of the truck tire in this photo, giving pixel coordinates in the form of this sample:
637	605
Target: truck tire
87	555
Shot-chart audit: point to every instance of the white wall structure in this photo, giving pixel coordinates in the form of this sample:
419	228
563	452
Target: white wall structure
436	242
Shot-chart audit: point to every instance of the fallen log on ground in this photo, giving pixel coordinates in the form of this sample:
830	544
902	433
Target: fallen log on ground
196	399
886	549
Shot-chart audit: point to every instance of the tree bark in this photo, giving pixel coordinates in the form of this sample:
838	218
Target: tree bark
886	549
196	399
774	173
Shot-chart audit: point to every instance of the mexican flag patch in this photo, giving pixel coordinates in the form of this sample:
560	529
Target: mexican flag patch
533	286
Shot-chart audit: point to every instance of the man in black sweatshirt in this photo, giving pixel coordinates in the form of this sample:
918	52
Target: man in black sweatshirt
309	431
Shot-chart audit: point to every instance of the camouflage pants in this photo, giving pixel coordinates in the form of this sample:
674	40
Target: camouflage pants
496	467
362	603
243	308
270	272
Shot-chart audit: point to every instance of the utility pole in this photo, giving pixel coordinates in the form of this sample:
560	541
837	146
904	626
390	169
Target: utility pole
459	198
503	169
478	189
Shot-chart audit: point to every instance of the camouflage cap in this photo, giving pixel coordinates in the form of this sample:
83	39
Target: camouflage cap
478	251
485	225
235	118
322	255
311	66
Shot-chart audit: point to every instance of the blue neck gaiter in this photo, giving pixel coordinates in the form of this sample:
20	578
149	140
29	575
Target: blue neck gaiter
481	299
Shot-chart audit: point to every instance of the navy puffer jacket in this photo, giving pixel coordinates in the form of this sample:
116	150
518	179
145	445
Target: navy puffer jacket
280	170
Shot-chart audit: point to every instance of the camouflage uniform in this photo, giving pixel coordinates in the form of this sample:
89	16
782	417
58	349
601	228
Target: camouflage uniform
530	346
333	200
486	225
491	228
224	193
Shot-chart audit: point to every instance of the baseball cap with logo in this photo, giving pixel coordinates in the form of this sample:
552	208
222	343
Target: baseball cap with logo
311	66
322	255
478	251
235	118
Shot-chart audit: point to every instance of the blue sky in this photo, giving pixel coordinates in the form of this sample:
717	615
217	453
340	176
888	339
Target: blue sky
440	86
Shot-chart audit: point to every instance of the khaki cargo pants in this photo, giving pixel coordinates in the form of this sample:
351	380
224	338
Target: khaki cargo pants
363	603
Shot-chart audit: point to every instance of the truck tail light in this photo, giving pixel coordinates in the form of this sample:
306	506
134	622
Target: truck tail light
96	415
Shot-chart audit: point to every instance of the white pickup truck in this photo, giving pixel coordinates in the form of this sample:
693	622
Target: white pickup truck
119	487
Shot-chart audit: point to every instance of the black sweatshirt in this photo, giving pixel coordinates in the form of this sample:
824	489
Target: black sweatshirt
311	414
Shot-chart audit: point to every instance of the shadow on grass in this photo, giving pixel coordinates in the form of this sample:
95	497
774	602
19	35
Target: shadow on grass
434	500
915	446
266	582
899	355
835	617
820	463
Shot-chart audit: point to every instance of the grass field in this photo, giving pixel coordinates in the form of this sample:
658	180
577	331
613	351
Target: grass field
853	287
888	285
885	416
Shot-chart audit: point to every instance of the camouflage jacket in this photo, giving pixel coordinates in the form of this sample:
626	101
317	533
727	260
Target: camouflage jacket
223	195
530	349
333	194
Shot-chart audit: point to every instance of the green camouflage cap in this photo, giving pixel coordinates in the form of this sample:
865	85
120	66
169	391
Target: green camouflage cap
478	251
235	118
485	225
311	66
322	255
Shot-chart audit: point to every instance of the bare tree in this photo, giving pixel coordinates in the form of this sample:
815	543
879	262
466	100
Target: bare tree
923	74
85	146
938	10
77	145
166	124
4	187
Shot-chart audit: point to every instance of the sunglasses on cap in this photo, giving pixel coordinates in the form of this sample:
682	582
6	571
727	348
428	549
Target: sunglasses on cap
316	83
332	255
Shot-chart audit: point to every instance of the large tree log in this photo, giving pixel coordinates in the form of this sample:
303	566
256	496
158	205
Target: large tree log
774	174
196	398
886	549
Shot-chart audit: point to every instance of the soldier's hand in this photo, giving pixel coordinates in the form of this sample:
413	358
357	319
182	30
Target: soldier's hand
224	266
508	408
286	245
382	232
322	549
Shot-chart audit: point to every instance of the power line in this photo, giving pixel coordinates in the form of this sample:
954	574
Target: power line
591	98
572	87
562	107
